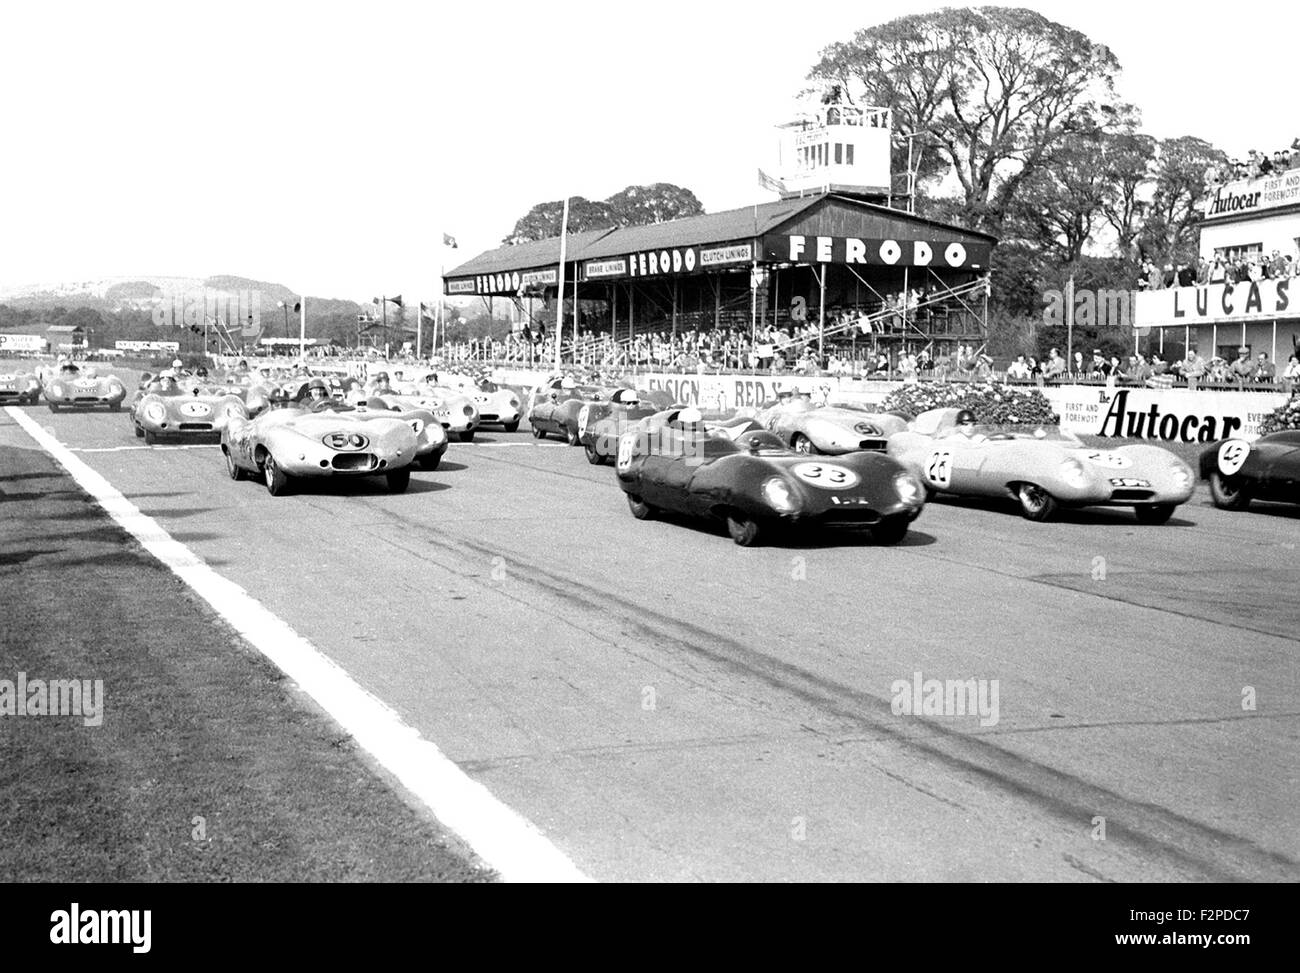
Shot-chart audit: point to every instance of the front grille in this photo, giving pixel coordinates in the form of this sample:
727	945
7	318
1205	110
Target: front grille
196	427
1131	496
849	517
86	398
354	461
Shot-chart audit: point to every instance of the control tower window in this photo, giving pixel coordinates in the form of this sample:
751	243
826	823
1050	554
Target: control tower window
848	154
839	153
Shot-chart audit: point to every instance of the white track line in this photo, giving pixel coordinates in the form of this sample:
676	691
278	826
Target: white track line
504	839
126	449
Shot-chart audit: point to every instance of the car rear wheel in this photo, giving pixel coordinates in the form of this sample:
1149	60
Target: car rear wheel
743	530
1228	492
150	438
236	472
1035	502
593	455
640	509
802	444
890	531
511	426
399	480
277	480
1154	513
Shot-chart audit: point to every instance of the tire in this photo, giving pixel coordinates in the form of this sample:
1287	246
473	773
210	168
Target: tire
802	444
54	407
640	509
115	407
466	437
139	433
890	531
1154	513
276	479
1228	493
593	455
538	432
930	493
150	438
743	530
430	463
236	472
399	480
1035	502
571	436
511	426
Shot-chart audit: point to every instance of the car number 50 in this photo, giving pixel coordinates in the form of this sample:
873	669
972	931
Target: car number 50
939	470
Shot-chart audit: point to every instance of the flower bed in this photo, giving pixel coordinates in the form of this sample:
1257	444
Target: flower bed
1285	416
992	403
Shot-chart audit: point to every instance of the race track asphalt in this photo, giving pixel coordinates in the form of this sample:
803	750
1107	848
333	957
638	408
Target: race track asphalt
667	706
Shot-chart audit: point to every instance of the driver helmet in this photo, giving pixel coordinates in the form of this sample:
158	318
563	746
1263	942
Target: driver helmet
966	421
89	372
627	397
200	372
568	383
317	390
277	398
177	363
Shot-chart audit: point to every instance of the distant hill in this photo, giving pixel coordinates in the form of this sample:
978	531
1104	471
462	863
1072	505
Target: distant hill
116	294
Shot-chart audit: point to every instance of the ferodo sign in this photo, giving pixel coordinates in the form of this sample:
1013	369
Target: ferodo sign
801	249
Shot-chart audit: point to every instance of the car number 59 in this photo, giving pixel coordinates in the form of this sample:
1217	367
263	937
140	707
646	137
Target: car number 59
939	470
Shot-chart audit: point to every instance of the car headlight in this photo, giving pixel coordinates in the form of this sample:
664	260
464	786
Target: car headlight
57	389
1182	474
468	410
114	388
909	490
1072	473
155	412
514	402
777	492
33	385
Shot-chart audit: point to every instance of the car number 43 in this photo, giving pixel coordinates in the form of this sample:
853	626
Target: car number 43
939	470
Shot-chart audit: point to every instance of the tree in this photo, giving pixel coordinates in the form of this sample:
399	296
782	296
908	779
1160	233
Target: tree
656	203
1060	203
1127	159
634	206
994	90
1170	234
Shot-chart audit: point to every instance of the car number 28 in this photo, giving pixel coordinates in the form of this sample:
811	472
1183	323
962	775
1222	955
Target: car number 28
826	476
939	469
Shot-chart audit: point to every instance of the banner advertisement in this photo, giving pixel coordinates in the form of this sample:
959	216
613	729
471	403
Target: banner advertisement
1250	300
952	254
172	346
22	342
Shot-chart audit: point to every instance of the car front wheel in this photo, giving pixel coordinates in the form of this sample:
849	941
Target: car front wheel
431	461
890	531
467	436
235	471
539	432
640	509
399	480
1035	502
511	426
1228	493
277	480
743	530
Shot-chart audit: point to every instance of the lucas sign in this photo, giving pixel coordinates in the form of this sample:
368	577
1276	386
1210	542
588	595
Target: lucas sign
953	254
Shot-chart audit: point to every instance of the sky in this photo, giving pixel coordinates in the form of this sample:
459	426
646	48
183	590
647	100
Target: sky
328	146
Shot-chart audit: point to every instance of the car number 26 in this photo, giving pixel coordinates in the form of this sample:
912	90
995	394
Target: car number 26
826	476
939	469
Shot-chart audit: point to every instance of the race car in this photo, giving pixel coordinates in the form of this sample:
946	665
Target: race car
600	424
20	387
77	388
555	406
497	406
285	443
755	483
1240	471
833	429
172	411
1042	468
454	410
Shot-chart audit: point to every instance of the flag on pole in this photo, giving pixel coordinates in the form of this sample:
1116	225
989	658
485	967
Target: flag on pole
770	182
428	312
449	241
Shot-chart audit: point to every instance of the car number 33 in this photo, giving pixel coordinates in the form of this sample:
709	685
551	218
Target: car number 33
826	476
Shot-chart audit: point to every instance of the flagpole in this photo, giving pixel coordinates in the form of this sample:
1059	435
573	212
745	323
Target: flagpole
559	308
437	320
302	328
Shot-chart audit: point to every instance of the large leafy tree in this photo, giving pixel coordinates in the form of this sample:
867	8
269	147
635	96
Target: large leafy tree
633	206
993	91
1127	161
1061	202
1170	230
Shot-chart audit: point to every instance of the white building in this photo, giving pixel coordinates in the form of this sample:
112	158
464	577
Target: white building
1244	219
